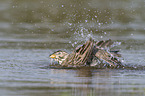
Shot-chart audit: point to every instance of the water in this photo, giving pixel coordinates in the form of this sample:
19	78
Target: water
31	30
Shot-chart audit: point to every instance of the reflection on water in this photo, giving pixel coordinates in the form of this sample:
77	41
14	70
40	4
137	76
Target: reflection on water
21	74
31	30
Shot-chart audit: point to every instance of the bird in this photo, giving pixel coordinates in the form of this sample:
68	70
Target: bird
59	56
90	53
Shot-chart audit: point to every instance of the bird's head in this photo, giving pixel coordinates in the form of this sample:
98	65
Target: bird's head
59	56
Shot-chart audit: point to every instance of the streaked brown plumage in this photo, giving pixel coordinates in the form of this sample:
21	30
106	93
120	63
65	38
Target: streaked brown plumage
84	55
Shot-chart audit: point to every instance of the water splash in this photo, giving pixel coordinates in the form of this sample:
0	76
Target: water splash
51	61
80	33
116	44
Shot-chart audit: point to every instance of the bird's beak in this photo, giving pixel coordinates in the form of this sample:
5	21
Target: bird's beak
52	56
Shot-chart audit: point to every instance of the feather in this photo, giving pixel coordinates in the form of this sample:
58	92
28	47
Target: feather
81	55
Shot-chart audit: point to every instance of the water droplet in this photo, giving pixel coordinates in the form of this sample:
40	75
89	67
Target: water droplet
86	20
75	42
52	29
73	45
70	24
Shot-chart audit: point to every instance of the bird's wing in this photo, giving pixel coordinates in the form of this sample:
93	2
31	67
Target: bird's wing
108	57
104	44
111	57
81	55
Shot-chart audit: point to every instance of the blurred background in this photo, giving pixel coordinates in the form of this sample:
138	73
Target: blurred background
51	24
30	30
